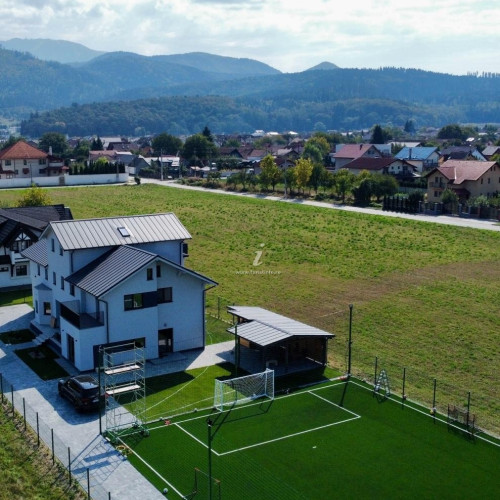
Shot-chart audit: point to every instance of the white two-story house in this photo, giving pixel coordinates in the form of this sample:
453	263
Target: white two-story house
110	281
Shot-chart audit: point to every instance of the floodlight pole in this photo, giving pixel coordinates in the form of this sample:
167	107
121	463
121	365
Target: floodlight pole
209	427
350	341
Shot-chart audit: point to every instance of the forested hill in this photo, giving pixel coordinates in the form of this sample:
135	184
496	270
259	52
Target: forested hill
336	99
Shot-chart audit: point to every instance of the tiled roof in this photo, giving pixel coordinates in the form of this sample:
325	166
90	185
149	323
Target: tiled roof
460	171
352	150
114	231
21	150
367	163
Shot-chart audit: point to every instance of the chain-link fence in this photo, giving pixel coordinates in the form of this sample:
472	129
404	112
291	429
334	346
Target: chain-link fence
76	467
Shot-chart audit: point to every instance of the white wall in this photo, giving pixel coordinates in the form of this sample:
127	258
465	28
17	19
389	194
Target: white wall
64	180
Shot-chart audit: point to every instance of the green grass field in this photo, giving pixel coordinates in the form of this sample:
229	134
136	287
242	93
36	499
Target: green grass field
333	440
425	295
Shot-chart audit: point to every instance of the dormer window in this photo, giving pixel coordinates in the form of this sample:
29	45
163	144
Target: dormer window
124	231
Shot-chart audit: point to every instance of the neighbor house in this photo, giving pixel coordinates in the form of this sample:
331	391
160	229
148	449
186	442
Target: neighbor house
391	166
468	178
350	152
23	160
105	282
20	227
461	153
423	157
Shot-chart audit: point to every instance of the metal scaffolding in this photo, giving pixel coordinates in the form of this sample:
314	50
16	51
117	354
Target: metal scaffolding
123	382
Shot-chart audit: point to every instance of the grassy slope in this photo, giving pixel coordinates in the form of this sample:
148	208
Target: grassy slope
425	295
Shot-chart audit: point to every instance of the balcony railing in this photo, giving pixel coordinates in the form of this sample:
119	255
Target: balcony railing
70	311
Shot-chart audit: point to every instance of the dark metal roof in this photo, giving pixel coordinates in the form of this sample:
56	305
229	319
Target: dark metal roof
115	266
95	233
37	253
266	327
102	274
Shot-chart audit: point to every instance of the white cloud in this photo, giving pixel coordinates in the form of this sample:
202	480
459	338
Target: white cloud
454	36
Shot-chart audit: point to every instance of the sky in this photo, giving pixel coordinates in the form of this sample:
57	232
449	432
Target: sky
447	36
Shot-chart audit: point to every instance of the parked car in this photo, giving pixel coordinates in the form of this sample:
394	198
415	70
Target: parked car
81	390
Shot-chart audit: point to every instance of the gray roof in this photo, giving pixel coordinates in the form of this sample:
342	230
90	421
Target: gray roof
102	274
115	266
265	327
94	233
37	253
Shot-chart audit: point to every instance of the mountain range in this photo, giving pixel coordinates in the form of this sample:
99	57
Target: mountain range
85	92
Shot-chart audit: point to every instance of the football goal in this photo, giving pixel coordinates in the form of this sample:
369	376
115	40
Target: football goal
242	389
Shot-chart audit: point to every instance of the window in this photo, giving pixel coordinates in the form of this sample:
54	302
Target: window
149	274
36	306
4	269
38	269
62	283
165	295
21	269
8	163
489	180
72	289
42	161
60	250
25	162
54	278
158	270
46	274
52	245
47	309
132	301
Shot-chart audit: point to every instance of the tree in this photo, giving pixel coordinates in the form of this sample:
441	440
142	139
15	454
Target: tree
313	152
344	182
34	197
303	171
207	134
270	173
317	176
53	140
198	147
96	144
363	192
166	144
384	185
380	135
410	127
452	131
81	150
449	198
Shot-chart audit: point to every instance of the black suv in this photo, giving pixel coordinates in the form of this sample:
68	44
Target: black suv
82	391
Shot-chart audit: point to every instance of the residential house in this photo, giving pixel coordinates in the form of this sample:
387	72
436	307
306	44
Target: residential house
490	151
468	178
109	281
349	152
391	166
20	227
422	157
461	153
22	160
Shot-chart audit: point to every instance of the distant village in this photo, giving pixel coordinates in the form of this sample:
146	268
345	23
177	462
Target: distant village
435	164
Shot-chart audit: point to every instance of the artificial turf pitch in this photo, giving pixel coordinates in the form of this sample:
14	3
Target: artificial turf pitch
329	441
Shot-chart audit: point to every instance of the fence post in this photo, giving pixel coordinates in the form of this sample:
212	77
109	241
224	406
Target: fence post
468	410
12	399
1	386
24	414
52	441
434	402
37	431
375	378
403	395
69	464
88	483
218	307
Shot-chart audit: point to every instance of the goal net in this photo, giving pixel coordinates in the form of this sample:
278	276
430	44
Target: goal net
242	389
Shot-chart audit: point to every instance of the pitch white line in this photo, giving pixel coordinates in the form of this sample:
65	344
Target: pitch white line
195	438
334	404
288	436
172	487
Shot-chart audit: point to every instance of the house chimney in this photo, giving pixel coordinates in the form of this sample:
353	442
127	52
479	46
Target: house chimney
361	146
409	153
50	150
